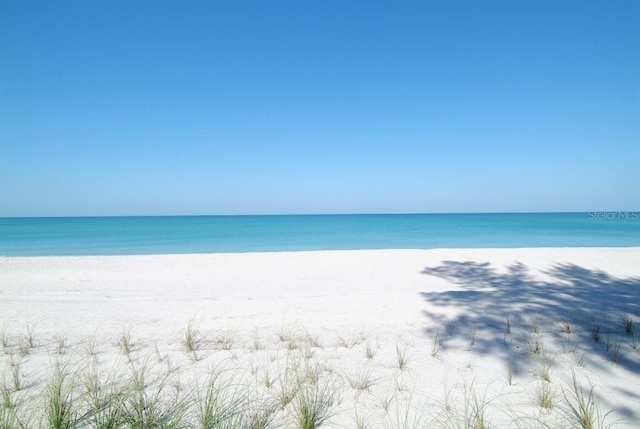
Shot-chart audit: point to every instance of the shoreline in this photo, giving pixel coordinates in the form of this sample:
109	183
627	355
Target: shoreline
445	311
258	252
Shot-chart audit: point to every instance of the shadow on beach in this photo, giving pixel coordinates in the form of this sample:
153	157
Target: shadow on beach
564	306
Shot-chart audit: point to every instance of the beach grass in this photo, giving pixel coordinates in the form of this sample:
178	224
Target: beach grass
16	377
544	371
191	340
595	332
583	409
61	411
125	342
314	404
545	396
627	322
30	336
362	380
216	402
435	346
370	353
272	386
60	342
402	359
4	339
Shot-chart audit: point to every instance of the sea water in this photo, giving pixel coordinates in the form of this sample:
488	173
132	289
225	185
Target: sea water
224	234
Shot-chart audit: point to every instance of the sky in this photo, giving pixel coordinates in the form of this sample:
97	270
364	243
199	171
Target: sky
322	106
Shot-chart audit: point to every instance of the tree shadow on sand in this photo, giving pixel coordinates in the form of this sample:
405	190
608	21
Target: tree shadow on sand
506	312
570	298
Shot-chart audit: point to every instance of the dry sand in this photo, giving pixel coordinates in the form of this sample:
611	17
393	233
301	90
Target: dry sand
432	331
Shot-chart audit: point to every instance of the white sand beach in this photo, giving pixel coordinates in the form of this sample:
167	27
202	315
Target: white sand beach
387	338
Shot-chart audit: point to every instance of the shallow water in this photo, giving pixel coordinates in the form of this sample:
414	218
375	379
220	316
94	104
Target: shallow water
224	234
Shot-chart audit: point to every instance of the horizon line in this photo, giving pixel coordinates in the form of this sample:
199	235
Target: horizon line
319	214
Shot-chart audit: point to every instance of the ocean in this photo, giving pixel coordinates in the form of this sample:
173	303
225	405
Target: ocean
58	236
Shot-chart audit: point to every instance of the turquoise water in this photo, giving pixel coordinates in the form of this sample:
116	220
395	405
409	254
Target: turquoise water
215	234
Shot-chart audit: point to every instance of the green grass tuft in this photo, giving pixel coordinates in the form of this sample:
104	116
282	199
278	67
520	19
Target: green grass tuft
314	404
191	340
435	346
401	357
60	407
583	410
218	404
545	396
361	380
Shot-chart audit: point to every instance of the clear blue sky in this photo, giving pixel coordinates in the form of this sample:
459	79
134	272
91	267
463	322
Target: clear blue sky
325	106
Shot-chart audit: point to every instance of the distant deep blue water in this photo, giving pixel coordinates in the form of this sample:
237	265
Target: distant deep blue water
224	234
